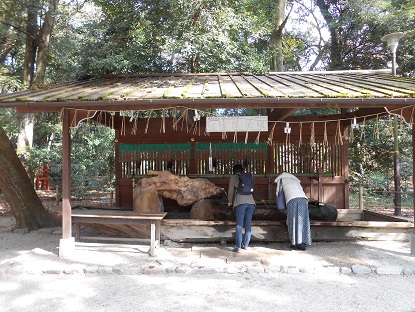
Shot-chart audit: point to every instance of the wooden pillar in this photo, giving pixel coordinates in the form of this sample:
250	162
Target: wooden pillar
270	171
66	177
345	169
118	171
396	169
67	243
413	179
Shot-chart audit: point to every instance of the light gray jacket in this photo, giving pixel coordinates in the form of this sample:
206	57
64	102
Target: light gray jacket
291	186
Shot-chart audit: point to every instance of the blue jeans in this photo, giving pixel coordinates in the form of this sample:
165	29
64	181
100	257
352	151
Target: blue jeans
243	214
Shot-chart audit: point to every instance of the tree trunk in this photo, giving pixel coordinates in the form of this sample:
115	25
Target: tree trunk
25	138
334	28
18	191
31	43
43	43
277	57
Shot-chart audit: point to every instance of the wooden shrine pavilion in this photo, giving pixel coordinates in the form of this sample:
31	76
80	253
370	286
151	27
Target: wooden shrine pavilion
173	122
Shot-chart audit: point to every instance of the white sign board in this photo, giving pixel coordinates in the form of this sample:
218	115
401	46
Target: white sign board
237	124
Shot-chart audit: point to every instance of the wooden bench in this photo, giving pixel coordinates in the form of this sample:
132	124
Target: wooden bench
120	217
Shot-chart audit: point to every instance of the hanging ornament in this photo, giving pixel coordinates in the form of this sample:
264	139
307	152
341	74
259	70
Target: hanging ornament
210	158
338	137
312	135
271	134
362	127
355	125
287	128
148	121
257	138
287	131
123	125
351	135
325	140
196	117
376	133
163	122
300	140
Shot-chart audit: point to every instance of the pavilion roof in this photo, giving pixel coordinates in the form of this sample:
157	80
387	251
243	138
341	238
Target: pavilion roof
369	88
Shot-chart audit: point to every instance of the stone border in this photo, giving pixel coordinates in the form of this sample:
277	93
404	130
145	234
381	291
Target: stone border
15	268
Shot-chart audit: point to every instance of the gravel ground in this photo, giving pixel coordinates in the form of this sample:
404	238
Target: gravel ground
213	292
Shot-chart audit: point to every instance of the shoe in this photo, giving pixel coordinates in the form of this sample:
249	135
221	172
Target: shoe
293	247
236	249
301	246
244	247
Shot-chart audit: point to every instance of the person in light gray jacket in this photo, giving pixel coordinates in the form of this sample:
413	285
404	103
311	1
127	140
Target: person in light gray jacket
298	220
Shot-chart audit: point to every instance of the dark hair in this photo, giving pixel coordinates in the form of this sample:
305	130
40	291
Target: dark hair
238	169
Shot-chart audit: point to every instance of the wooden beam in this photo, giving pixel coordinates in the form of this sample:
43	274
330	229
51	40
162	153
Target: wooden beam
210	103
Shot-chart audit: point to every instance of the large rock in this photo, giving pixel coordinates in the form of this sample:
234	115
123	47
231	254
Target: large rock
216	210
323	212
147	200
210	210
184	190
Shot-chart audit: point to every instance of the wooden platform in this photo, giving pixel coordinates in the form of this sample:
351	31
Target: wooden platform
350	225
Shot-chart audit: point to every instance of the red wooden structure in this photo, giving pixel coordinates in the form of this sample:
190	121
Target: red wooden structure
42	179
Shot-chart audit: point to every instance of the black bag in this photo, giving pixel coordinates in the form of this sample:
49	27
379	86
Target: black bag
281	205
246	183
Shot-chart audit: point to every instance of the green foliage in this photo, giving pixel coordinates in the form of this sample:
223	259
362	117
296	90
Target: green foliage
8	82
371	156
92	158
11	128
93	163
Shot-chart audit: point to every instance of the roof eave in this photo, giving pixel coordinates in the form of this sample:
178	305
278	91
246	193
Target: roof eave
207	103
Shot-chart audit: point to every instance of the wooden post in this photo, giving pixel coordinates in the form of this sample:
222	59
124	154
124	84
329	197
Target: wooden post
57	195
320	185
361	203
396	169
66	177
345	170
111	198
67	243
413	179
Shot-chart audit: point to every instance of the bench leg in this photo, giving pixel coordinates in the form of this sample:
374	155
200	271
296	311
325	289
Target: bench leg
153	238
158	236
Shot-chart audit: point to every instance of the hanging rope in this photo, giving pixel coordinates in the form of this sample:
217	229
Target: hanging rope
362	131
163	122
312	135
134	128
271	134
351	135
300	140
112	115
123	125
148	122
325	140
257	138
376	133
